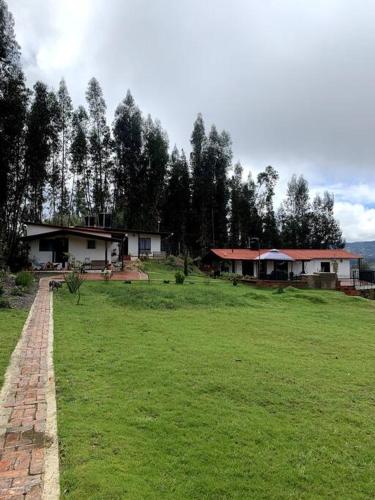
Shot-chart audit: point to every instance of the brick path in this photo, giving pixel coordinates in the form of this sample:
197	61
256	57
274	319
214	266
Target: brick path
23	406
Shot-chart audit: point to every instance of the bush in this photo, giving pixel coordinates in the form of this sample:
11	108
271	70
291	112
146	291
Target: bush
74	282
17	291
4	303
172	261
24	278
1	290
180	278
235	281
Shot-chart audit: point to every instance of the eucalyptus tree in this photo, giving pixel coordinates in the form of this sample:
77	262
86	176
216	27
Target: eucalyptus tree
65	131
295	214
266	191
99	146
177	208
38	150
128	137
81	183
13	108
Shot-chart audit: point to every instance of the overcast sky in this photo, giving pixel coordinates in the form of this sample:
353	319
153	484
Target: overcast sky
293	81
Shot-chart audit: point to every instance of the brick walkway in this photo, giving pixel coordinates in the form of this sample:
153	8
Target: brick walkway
24	441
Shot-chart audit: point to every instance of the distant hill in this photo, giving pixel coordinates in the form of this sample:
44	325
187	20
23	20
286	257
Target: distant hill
364	248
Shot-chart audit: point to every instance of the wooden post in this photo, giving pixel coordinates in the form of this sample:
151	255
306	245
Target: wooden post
106	253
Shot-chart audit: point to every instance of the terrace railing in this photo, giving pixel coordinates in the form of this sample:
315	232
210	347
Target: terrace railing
363	278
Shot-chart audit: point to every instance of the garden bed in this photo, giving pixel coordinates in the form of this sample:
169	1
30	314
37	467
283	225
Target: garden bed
18	296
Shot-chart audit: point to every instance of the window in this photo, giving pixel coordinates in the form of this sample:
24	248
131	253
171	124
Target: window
91	244
45	245
144	245
325	267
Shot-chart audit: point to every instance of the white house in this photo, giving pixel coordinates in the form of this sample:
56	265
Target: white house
281	264
93	246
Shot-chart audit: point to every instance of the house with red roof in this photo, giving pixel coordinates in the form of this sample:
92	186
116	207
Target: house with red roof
280	264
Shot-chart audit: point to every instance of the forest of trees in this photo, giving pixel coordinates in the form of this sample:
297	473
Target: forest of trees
58	164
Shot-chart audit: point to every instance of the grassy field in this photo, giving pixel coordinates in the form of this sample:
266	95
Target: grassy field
11	323
213	391
158	271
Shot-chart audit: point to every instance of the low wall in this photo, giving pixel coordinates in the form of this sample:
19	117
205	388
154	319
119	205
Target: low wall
325	281
275	283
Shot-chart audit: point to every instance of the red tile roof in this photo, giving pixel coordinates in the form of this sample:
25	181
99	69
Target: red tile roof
296	254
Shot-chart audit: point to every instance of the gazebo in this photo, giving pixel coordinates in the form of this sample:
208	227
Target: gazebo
274	265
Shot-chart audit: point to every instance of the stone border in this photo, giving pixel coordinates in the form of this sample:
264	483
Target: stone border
51	479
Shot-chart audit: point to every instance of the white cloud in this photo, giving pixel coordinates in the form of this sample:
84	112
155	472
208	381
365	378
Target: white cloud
70	21
357	221
363	194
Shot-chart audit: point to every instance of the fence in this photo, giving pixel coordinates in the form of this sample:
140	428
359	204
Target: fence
363	278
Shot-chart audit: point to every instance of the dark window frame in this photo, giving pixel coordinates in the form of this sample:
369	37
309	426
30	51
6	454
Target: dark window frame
325	264
91	245
144	244
46	245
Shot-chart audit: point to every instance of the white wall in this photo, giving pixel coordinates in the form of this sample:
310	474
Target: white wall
37	229
35	255
78	248
313	266
133	243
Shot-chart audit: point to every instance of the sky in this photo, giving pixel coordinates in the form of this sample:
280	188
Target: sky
292	81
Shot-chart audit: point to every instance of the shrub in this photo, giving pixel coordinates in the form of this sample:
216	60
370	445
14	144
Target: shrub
17	291
1	290
24	278
74	282
180	278
171	261
4	303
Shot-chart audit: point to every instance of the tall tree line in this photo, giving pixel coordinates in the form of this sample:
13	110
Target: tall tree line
59	164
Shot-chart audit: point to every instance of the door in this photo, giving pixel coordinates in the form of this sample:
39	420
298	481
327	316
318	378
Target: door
61	248
263	269
248	268
280	270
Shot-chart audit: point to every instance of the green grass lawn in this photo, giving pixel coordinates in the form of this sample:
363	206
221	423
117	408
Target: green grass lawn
210	391
158	272
11	323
